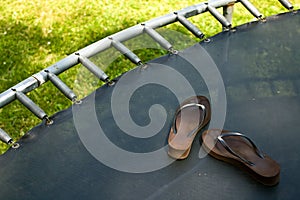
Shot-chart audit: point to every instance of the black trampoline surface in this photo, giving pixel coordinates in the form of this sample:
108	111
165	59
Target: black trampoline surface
260	66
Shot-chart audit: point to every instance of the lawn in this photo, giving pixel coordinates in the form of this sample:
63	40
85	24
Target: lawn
35	34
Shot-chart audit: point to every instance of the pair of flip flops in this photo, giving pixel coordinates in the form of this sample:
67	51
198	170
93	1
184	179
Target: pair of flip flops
232	147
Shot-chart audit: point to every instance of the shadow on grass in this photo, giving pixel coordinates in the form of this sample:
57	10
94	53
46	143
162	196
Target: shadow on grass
24	51
27	49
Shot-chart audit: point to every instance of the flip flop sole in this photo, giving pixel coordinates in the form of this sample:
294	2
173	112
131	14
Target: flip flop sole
265	170
180	143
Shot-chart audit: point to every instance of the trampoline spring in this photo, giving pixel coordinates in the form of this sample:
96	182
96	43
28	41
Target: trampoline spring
92	67
48	121
173	51
287	4
157	37
190	26
143	66
252	9
207	40
28	103
110	82
76	101
125	51
4	137
227	13
219	17
61	86
15	145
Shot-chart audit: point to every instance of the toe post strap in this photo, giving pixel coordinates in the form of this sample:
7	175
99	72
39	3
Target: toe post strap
230	150
201	106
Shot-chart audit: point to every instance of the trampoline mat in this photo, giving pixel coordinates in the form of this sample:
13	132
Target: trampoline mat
259	66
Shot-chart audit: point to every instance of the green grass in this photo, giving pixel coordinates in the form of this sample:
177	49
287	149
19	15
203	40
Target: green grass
37	33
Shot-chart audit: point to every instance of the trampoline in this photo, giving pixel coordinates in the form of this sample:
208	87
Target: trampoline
112	144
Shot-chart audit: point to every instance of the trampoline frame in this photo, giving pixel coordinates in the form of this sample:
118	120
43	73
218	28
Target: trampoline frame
115	40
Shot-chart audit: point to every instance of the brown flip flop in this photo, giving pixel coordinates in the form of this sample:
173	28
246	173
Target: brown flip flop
240	150
191	116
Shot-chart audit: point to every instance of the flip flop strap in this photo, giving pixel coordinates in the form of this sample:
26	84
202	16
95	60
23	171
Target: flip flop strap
230	150
201	106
